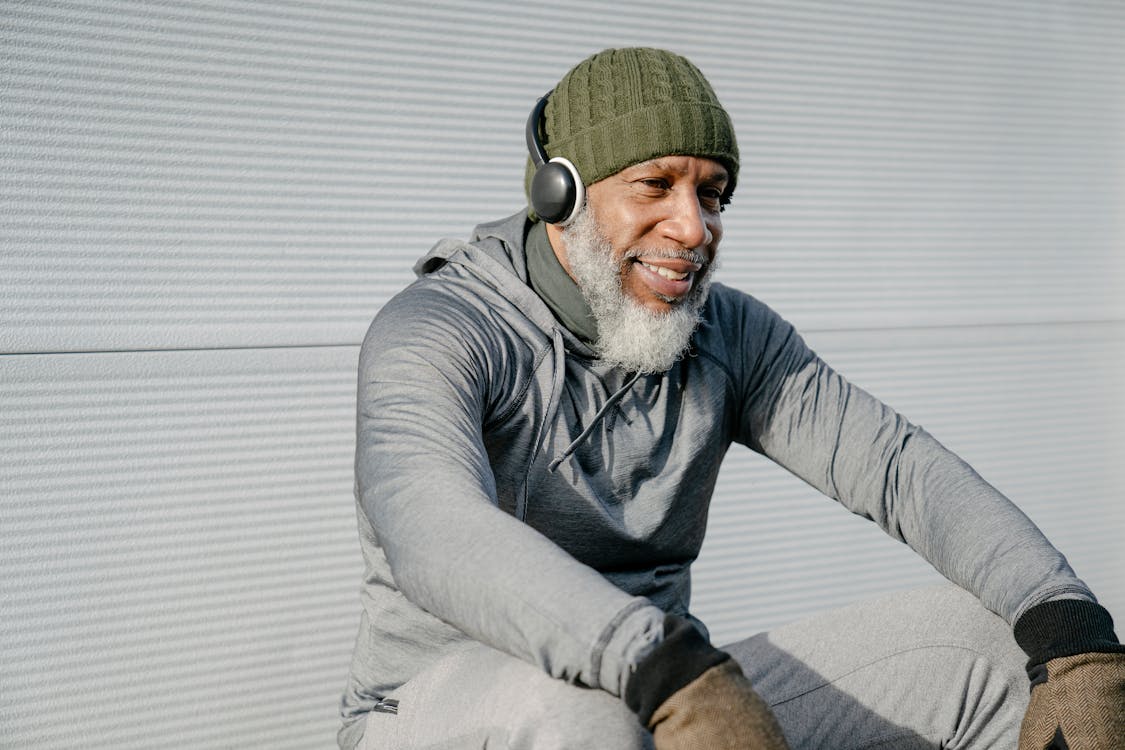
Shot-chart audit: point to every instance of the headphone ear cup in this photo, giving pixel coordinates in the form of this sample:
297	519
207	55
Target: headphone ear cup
557	192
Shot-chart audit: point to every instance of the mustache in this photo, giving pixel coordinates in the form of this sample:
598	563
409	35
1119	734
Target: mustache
691	256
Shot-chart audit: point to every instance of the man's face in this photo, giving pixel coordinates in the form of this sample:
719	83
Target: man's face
642	251
663	223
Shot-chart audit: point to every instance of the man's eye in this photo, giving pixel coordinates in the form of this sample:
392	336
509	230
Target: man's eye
655	183
712	198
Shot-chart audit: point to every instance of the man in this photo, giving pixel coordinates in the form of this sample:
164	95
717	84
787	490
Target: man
542	416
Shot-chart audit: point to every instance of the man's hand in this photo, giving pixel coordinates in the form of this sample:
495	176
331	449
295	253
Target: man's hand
693	696
1079	704
718	710
1077	670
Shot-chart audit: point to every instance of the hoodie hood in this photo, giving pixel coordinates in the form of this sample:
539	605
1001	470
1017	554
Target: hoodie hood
496	254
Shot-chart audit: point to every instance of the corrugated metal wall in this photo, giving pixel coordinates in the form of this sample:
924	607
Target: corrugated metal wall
202	204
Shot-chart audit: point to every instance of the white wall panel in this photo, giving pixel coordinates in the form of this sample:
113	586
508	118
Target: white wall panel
185	175
202	205
179	552
916	164
249	173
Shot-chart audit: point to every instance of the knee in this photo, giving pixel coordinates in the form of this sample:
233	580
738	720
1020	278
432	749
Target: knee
973	640
564	717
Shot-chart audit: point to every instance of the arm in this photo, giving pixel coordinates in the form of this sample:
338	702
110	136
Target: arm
854	448
426	378
859	451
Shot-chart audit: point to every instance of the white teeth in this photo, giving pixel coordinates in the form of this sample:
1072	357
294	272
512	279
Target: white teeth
667	273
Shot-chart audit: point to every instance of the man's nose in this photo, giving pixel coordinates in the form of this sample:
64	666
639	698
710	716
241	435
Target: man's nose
687	222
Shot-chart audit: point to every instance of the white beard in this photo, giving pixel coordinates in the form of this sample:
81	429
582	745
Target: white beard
630	335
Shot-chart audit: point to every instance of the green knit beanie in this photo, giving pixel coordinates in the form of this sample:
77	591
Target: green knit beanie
621	107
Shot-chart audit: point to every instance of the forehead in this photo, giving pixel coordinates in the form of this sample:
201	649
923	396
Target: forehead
696	167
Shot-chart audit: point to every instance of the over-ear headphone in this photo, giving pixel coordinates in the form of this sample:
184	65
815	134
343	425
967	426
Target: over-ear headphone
557	192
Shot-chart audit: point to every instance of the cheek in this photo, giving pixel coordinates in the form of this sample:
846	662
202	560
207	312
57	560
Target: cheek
716	227
623	273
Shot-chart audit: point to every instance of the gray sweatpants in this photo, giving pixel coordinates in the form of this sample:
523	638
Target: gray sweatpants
924	669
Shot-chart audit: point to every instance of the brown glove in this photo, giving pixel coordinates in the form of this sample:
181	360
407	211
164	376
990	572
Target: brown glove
719	710
695	697
1077	671
1079	705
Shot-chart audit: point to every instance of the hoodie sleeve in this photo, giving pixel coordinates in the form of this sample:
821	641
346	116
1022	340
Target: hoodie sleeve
427	374
857	450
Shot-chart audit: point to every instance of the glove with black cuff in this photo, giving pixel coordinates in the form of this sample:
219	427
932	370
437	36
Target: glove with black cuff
692	695
1077	670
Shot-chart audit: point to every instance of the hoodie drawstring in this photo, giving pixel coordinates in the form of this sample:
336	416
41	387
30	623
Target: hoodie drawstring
610	403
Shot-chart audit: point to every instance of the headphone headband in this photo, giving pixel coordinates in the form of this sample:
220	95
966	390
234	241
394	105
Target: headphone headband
557	193
534	145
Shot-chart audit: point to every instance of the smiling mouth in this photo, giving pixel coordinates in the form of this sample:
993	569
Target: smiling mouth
668	277
667	273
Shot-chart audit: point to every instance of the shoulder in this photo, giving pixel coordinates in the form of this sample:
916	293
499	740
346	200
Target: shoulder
446	296
744	335
453	328
733	318
436	318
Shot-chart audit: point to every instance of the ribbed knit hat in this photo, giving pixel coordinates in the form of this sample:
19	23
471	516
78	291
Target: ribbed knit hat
621	107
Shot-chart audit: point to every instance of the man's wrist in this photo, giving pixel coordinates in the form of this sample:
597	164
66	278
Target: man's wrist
682	656
1065	627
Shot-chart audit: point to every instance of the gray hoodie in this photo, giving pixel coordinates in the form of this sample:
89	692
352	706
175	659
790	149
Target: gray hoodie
514	490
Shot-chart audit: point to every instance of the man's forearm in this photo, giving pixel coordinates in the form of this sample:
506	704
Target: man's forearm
856	449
